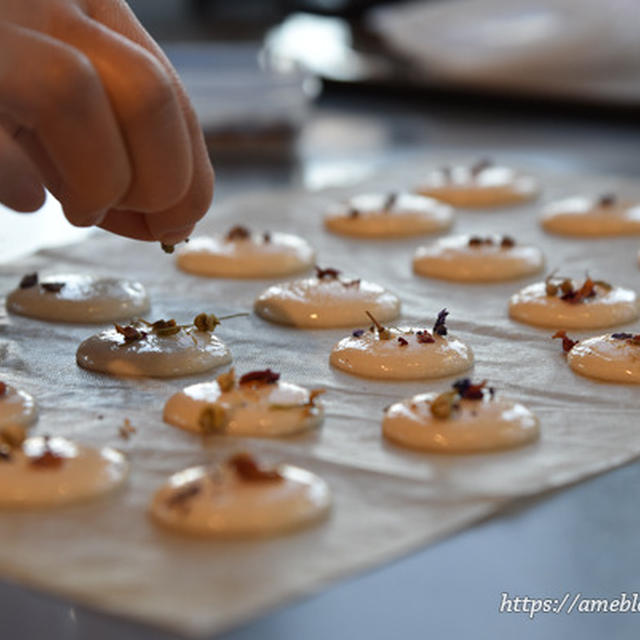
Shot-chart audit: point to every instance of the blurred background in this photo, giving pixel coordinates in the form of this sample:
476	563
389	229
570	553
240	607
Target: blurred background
318	92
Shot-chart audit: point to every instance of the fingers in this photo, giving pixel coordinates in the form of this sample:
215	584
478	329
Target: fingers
195	203
52	90
146	106
20	183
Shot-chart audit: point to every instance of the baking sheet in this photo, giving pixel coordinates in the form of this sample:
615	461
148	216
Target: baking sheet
388	501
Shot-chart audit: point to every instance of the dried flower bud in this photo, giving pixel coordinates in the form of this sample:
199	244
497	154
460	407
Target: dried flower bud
607	200
440	328
326	274
13	435
402	341
227	381
444	404
130	333
567	343
424	337
507	242
238	233
212	419
167	248
206	322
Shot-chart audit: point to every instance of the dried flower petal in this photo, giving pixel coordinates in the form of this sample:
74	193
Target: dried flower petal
52	287
469	391
130	333
479	166
47	460
402	341
266	237
389	202
3	389
247	469
237	233
567	343
607	200
326	274
424	337
265	376
352	212
28	281
507	242
440	327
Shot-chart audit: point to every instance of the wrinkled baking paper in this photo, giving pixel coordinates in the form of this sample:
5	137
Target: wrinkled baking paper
388	501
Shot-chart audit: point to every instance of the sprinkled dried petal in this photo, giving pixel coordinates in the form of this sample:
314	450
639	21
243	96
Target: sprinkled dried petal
326	274
469	391
440	327
402	341
248	470
607	200
168	248
265	376
52	287
424	337
507	242
47	460
358	333
567	343
3	389
130	333
237	233
28	281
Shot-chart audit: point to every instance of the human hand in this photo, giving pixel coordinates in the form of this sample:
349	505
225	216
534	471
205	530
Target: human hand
92	109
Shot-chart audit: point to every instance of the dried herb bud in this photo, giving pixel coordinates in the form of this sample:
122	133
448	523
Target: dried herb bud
238	233
402	341
507	242
165	328
475	241
247	469
567	342
326	274
383	332
424	337
182	496
52	287
358	333
28	281
444	404
607	200
13	435
440	327
130	333
212	418
168	248
206	322
550	288
265	376
227	381
622	336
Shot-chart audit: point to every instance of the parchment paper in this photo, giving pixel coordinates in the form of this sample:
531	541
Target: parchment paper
388	501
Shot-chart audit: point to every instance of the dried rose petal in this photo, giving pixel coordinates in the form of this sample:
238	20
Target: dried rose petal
247	469
265	376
